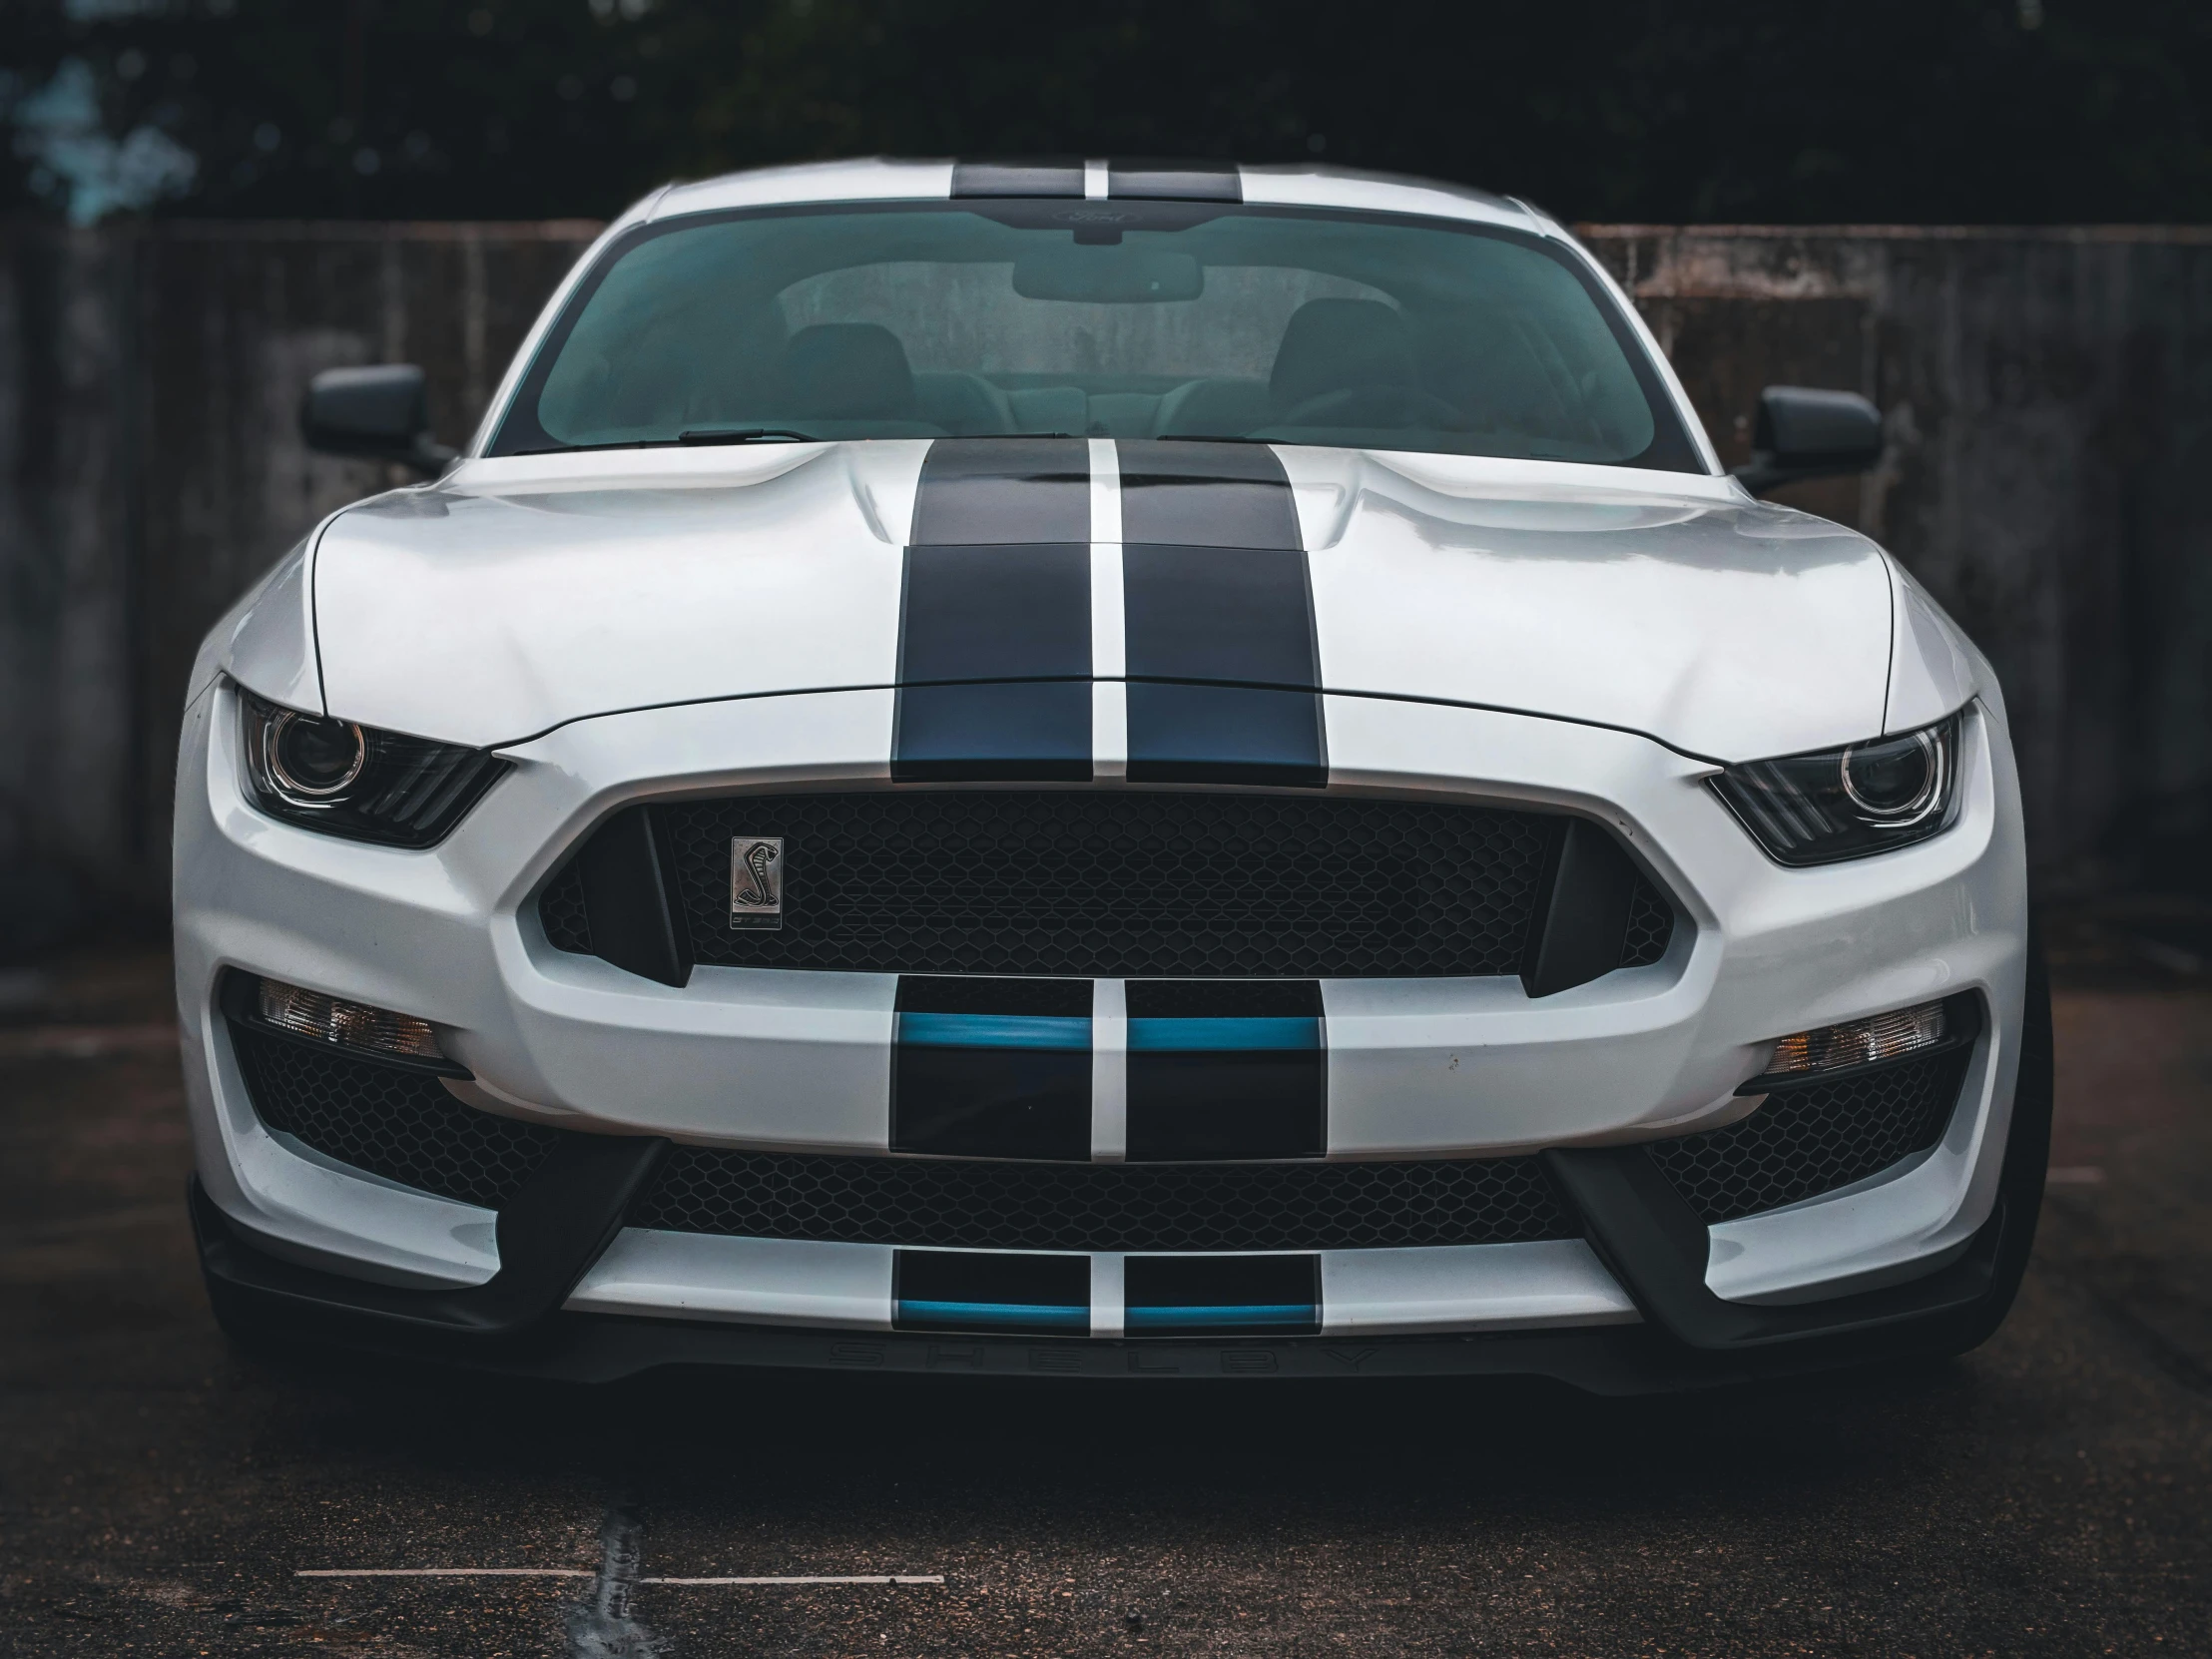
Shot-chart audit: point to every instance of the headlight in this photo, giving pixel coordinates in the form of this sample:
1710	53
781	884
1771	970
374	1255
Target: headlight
1849	803
357	781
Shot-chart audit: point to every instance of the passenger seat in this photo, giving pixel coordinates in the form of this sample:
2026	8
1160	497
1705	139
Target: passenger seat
835	375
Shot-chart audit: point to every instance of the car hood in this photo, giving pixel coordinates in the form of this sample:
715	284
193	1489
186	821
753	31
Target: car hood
516	594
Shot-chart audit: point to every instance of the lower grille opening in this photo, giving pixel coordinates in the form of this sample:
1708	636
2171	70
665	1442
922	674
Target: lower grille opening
400	1124
956	1204
1814	1138
403	1126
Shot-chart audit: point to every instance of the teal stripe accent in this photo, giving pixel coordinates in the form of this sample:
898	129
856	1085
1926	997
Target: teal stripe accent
1024	1314
1284	1313
993	1031
1214	1035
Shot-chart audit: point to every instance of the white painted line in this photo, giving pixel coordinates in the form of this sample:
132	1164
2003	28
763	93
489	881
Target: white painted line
582	1572
1110	730
1109	642
1108	1071
447	1572
1105	508
859	1579
1108	1295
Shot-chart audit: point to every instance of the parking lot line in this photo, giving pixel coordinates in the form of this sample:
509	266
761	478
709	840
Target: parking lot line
445	1572
583	1572
867	1579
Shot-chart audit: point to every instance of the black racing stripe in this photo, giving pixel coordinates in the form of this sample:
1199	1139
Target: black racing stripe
1194	1295
995	612
1226	1069
975	491
997	589
1020	733
1184	733
1174	181
1220	627
992	1068
1222	998
1205	494
1042	176
945	1290
1219	613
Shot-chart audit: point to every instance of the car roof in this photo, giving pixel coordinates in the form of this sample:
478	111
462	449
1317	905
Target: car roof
881	178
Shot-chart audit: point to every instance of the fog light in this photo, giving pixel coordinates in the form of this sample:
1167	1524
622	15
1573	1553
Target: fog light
307	1013
1861	1042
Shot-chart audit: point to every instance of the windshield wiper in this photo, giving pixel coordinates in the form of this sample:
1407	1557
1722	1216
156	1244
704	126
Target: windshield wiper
745	434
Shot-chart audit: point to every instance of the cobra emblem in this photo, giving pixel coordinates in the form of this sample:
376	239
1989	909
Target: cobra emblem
757	861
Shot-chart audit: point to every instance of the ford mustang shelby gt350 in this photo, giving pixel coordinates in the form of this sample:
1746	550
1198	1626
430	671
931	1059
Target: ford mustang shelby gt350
1102	770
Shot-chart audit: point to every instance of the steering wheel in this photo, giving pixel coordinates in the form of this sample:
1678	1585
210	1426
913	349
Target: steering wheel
1380	405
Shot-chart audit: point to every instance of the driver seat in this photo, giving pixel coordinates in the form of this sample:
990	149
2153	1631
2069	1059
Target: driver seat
1339	346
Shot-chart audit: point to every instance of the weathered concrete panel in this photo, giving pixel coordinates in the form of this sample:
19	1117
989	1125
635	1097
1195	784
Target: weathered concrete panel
2049	395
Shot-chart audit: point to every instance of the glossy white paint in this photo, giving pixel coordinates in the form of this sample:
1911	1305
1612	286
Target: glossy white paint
1934	667
871	178
523	593
520	593
1513	1287
698	1276
1675	607
266	640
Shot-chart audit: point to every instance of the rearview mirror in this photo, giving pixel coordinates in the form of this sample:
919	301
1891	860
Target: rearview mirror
1803	432
380	413
1108	275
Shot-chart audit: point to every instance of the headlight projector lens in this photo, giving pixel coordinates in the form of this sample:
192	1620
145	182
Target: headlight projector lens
1899	781
314	758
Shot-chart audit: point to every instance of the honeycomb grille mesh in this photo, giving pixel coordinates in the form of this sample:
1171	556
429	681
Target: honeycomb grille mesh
1650	926
1121	885
1011	1206
561	912
1811	1139
398	1124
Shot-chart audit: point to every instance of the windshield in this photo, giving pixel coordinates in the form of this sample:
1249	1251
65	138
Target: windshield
1121	320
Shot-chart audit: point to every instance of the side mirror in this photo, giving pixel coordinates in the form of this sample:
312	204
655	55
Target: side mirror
1807	433
380	413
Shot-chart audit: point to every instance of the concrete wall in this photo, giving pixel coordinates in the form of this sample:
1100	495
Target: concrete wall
2049	399
2049	395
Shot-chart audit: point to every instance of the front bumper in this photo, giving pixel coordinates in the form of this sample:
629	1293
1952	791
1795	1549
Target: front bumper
778	1061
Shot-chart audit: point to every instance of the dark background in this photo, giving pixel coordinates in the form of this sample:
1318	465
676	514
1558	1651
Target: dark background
1669	111
1991	216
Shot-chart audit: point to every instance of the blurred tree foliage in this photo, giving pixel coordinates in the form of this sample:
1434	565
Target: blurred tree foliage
1975	111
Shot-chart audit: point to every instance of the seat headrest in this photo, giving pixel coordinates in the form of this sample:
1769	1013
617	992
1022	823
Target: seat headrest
846	371
1335	344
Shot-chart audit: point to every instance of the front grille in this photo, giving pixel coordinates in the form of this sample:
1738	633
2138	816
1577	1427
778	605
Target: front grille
1119	885
1815	1138
401	1125
956	1204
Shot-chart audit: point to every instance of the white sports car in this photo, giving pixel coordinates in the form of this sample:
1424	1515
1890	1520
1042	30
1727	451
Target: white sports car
1102	770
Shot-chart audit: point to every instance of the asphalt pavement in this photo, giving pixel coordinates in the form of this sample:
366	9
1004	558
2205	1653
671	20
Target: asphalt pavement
161	1494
